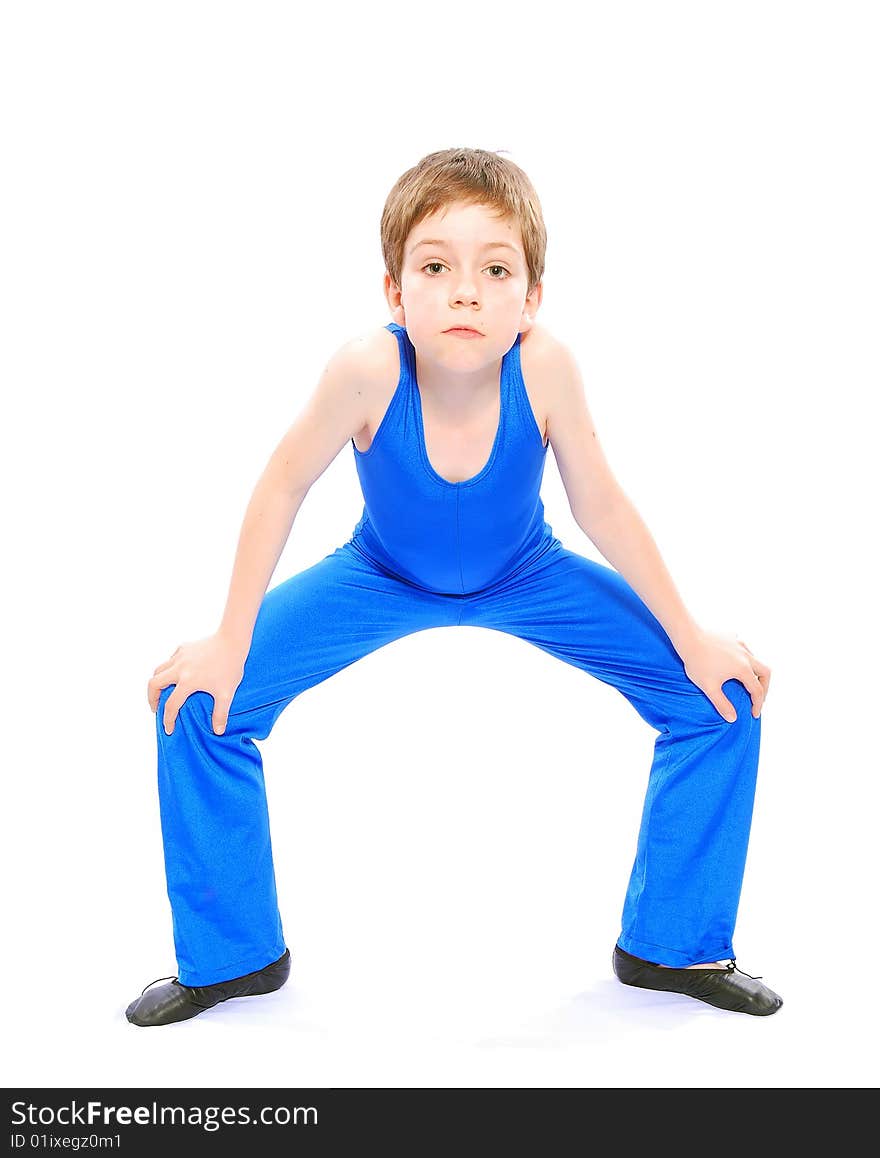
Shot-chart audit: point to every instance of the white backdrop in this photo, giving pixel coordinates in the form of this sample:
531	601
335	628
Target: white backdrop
190	228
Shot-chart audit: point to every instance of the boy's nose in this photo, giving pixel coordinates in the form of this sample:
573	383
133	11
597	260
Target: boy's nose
466	293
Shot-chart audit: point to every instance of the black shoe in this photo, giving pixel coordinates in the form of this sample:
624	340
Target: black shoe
176	1002
726	988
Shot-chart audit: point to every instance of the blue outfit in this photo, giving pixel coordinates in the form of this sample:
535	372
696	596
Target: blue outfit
431	553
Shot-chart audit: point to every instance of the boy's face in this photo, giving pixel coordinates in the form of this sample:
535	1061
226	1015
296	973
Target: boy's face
463	266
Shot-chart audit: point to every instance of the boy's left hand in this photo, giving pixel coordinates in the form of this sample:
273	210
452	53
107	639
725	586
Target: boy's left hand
711	659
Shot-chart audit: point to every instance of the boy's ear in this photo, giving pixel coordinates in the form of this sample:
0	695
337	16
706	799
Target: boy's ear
392	293
532	303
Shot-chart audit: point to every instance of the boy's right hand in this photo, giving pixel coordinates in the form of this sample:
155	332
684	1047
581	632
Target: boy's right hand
214	665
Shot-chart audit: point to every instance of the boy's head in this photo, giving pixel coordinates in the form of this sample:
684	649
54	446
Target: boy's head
467	199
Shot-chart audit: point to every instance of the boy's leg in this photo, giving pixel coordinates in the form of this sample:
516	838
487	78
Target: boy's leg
213	808
681	904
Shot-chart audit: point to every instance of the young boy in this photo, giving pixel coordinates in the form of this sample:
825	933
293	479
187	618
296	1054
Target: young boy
450	409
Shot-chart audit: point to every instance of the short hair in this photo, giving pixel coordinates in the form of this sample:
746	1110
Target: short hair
473	176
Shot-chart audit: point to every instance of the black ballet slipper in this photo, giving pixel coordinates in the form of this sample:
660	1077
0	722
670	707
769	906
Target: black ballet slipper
726	988
175	1002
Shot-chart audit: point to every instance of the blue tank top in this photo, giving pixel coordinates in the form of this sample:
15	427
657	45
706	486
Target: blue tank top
452	538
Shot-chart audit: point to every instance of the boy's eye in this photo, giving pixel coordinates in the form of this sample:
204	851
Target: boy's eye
439	265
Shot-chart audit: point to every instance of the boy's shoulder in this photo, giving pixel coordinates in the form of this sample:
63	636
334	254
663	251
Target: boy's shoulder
539	340
548	351
375	354
546	360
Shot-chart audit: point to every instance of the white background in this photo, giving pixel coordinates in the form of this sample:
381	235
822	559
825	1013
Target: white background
190	227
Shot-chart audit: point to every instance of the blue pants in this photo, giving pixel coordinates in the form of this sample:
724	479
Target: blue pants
681	903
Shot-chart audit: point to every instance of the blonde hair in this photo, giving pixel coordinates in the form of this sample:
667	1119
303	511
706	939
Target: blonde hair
472	176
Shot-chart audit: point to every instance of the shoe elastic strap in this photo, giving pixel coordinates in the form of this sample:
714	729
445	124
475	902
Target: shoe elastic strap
158	979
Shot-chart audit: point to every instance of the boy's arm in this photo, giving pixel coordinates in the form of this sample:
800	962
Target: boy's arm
336	411
608	518
598	503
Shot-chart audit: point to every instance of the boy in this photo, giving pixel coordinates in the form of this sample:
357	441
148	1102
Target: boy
450	409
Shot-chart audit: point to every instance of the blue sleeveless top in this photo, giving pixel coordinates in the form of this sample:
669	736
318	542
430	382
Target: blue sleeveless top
452	538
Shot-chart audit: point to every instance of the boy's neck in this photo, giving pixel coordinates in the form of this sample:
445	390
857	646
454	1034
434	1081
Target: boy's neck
457	393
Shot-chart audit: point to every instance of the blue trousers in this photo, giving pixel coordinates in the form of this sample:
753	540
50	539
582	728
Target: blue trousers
681	902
